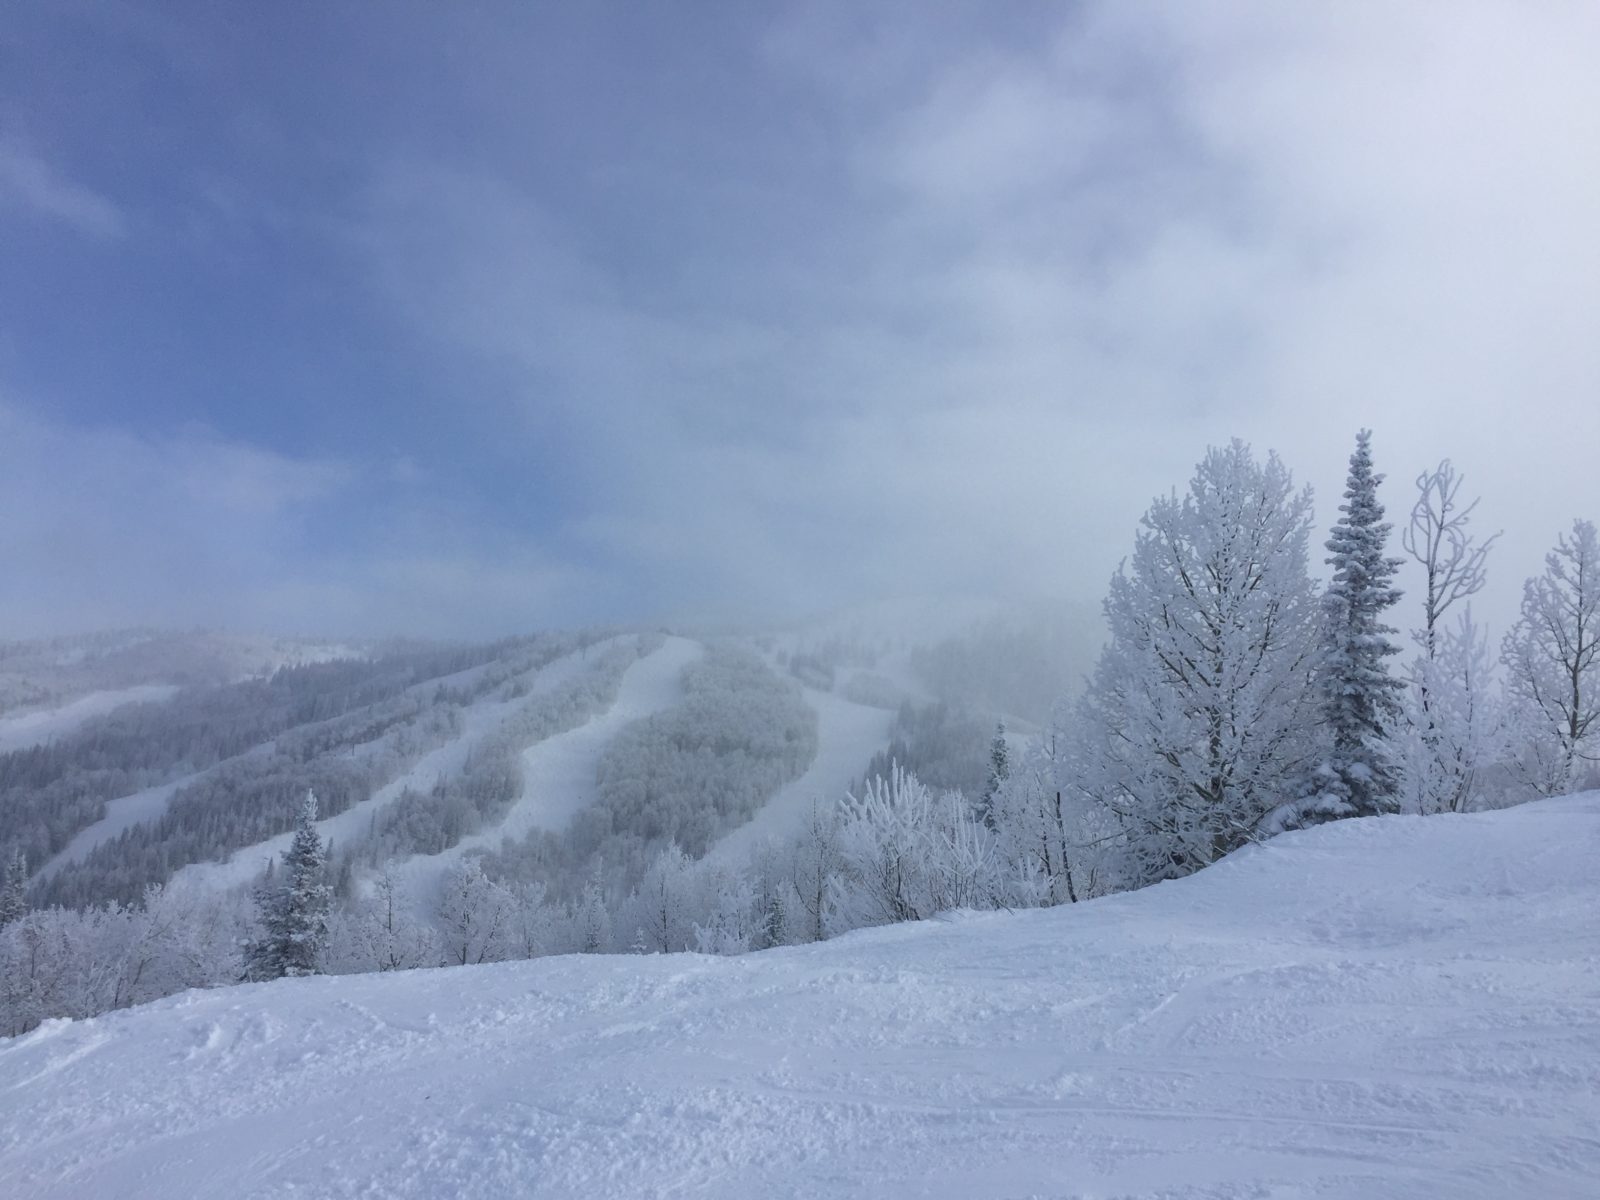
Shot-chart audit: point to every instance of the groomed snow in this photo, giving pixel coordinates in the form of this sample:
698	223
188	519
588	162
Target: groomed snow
1400	1007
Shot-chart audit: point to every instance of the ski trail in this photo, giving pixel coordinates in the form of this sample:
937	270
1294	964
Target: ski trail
848	735
478	720
558	774
37	728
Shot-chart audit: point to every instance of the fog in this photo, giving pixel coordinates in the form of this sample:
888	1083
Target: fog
458	321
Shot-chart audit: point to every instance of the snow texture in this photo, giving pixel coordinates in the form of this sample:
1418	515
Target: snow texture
1392	1007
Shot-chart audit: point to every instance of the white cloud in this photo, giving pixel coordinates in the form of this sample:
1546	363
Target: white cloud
105	528
1058	272
30	183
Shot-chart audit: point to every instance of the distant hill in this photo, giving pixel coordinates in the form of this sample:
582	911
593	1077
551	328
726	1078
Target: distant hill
130	757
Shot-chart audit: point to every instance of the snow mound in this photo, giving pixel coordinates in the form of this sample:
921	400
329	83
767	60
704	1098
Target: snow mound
1400	1007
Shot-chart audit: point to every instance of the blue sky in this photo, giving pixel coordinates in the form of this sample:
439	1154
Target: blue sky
459	319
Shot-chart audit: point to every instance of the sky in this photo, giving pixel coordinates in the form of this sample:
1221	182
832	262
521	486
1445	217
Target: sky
467	319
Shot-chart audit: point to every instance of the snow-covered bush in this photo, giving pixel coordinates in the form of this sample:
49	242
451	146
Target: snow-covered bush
906	854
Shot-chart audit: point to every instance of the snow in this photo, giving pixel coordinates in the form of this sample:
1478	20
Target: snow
1396	1007
848	735
21	731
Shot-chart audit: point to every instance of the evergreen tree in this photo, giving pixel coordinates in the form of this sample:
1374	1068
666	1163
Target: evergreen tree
999	772
1361	700
774	930
14	890
294	916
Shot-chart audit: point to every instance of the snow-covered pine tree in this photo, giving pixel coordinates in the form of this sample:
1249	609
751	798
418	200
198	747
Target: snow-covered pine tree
1197	720
592	920
294	916
1361	700
14	889
999	772
774	927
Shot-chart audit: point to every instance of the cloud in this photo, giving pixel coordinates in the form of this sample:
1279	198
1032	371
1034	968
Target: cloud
106	528
30	183
939	302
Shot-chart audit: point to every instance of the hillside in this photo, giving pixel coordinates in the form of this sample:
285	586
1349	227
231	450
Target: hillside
146	757
1399	1007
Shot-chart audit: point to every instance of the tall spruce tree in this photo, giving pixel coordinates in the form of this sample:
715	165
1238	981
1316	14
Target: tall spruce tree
294	915
1361	700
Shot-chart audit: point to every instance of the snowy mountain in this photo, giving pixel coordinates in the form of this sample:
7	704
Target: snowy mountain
143	757
1389	1007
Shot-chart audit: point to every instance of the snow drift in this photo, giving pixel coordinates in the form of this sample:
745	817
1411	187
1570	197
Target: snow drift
1398	1007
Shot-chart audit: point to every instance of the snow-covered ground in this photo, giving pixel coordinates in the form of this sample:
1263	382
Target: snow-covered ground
1402	1007
36	728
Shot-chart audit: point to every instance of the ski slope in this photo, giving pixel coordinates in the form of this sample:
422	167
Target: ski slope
20	731
848	735
559	774
478	719
1391	1008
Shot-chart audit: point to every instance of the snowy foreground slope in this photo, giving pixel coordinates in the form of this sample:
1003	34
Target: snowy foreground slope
1385	1008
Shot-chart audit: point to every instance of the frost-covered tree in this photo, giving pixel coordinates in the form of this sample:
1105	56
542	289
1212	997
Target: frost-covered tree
1449	713
1198	719
661	912
380	931
733	923
14	888
1051	842
294	915
1552	663
814	865
532	929
906	854
999	772
1360	775
1454	723
474	915
591	920
1438	538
